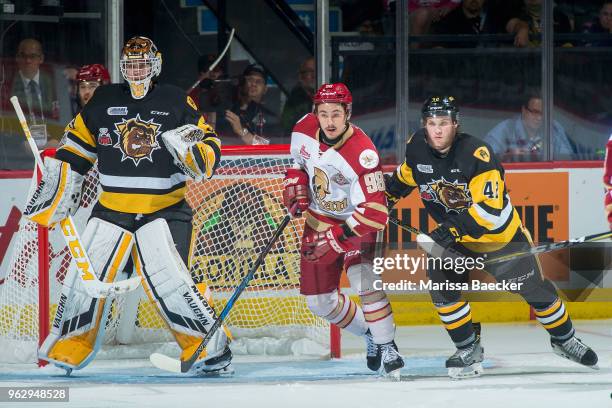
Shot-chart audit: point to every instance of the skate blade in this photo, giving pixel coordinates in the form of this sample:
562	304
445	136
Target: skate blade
222	372
460	373
392	375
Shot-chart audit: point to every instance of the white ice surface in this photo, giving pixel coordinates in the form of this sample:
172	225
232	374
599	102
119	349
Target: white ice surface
520	371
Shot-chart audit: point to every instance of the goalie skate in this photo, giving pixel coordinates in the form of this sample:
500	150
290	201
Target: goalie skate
219	365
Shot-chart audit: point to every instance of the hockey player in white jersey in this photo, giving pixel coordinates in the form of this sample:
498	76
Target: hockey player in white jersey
146	139
337	184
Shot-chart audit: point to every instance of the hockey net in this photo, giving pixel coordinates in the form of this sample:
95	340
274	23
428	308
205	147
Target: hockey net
235	214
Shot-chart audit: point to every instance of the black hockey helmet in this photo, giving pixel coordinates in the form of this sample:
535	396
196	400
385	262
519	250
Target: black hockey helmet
439	105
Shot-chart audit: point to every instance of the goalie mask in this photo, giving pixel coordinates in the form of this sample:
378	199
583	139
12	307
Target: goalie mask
140	63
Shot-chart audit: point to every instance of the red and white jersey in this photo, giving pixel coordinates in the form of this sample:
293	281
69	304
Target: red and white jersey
607	178
346	181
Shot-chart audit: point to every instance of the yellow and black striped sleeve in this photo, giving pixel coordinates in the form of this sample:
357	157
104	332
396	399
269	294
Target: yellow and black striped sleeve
79	147
401	183
491	211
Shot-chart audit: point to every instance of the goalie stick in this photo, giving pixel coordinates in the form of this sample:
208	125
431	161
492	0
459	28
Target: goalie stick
166	363
93	286
215	62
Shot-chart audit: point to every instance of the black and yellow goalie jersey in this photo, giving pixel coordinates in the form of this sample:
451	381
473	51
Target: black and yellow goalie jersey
137	172
464	189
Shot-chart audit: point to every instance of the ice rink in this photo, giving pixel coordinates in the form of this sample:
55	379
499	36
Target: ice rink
520	371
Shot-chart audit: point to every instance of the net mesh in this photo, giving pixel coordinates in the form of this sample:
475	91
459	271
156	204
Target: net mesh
235	215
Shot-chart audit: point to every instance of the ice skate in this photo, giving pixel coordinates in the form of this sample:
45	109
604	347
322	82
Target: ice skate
466	362
217	365
392	361
373	355
575	350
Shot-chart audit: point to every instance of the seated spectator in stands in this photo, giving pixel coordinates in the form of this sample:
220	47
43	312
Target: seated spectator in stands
532	15
472	17
212	91
248	118
89	78
423	13
521	138
299	101
603	25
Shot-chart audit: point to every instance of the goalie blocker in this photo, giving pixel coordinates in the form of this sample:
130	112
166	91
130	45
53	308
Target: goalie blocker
80	320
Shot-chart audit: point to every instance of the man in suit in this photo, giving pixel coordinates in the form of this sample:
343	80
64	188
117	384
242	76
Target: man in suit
34	88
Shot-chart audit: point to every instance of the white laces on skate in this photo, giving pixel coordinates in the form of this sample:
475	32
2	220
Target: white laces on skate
371	347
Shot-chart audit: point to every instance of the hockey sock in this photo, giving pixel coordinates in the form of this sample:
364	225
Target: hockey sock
457	319
348	315
555	319
378	316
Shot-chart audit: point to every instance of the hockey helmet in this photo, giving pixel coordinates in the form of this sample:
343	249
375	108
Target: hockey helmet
334	93
93	73
440	106
140	63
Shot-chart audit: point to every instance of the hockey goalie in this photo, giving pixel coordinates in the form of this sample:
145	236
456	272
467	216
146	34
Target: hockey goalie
147	139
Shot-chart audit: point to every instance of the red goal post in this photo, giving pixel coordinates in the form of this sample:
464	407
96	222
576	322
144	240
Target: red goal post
233	213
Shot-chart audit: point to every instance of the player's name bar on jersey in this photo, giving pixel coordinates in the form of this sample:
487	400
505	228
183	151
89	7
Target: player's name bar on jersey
427	285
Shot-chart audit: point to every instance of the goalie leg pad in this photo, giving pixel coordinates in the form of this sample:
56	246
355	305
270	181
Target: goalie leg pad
57	196
167	282
78	327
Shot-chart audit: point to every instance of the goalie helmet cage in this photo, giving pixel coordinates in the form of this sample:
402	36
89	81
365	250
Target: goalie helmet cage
235	214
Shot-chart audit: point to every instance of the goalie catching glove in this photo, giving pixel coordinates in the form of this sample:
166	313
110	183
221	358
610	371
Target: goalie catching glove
325	246
295	192
193	152
57	196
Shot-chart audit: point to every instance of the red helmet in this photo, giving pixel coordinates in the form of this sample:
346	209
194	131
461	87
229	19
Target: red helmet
93	72
333	93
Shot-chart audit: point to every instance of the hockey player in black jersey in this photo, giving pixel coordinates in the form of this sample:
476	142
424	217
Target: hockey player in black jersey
461	184
146	139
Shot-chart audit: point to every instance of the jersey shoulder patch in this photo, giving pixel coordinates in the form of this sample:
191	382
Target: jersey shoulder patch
482	153
368	159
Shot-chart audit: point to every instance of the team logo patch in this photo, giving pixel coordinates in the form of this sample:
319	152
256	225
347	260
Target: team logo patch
453	196
425	168
304	153
137	139
104	137
368	159
338	178
483	154
321	187
117	110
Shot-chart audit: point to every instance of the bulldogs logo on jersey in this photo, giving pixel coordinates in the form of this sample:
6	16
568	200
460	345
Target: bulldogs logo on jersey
320	185
452	196
137	139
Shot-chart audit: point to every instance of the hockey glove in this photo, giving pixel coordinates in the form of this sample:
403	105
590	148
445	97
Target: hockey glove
192	150
57	196
608	204
445	236
295	192
325	246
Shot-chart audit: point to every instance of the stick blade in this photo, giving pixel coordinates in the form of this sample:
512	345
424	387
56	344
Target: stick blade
166	363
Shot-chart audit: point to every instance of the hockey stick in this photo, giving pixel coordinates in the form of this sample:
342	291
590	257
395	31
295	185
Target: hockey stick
215	62
166	363
93	286
540	249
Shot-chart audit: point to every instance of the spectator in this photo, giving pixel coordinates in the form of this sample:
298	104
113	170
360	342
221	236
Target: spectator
423	13
473	18
35	89
532	15
299	101
521	138
89	78
248	116
603	25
